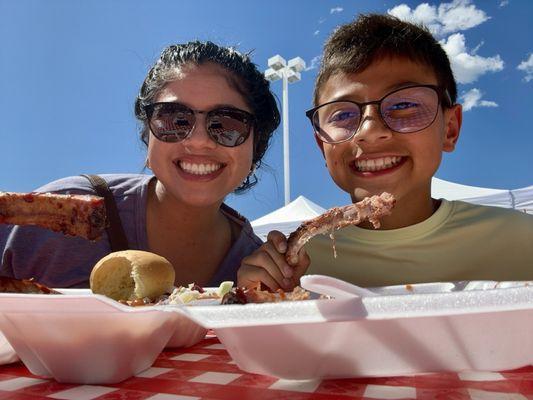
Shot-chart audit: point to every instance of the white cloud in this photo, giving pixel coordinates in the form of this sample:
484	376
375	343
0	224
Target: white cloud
316	32
423	14
504	3
527	67
455	16
336	10
476	49
467	67
458	15
472	99
315	62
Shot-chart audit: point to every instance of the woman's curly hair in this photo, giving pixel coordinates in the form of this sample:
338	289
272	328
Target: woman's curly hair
244	77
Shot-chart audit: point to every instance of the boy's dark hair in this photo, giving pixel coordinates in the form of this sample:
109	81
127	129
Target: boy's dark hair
243	77
354	46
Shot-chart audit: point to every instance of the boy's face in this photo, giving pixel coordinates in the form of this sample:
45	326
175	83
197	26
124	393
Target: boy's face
378	159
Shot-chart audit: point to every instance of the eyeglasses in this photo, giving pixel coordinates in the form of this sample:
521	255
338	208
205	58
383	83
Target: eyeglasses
174	122
406	110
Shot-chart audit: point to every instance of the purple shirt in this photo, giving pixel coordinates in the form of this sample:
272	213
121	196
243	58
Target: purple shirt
56	260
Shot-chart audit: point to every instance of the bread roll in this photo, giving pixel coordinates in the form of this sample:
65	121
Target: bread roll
132	274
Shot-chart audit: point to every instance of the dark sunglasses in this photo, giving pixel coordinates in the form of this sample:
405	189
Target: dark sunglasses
174	122
406	110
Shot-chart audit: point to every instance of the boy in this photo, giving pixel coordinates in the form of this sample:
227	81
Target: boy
385	111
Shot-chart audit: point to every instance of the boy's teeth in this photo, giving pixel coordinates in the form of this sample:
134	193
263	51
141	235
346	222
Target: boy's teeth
377	164
199	169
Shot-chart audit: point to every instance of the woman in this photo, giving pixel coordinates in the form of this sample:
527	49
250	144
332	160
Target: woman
207	116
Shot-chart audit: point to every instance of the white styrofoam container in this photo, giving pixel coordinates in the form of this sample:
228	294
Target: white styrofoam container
84	338
403	330
7	352
186	332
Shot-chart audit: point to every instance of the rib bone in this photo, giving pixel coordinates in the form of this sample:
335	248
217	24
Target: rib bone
371	208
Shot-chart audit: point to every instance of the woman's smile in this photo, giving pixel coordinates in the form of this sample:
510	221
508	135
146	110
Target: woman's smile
199	171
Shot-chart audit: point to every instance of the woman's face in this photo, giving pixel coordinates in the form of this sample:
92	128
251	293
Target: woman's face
198	171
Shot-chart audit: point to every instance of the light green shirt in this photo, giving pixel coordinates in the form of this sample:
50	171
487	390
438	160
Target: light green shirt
460	241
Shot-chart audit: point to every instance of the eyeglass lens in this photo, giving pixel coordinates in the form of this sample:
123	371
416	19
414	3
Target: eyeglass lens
173	122
404	111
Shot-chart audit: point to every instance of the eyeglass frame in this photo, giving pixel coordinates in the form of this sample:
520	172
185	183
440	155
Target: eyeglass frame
149	110
442	93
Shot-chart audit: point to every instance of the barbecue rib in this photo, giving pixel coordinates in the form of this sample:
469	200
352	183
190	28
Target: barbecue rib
371	209
29	286
76	215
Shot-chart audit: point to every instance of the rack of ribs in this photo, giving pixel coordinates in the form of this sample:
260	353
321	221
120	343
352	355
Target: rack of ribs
76	215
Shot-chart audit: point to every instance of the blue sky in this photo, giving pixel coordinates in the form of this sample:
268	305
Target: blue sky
70	71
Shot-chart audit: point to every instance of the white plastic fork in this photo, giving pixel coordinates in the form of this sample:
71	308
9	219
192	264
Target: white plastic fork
333	287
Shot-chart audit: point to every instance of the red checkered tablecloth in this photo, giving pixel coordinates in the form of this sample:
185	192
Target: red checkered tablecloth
206	371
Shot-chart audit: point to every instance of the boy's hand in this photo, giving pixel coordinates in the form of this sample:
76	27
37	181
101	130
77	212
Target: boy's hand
268	265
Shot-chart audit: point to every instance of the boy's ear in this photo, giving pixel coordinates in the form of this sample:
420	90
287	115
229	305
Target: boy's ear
453	121
320	145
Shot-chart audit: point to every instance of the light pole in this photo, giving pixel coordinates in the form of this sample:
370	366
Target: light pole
290	73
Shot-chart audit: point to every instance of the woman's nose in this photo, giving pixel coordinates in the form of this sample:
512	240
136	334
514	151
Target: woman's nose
372	128
199	137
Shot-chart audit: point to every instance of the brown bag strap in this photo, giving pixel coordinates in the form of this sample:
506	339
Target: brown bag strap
115	231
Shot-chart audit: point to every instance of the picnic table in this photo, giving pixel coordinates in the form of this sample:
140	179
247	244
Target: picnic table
206	371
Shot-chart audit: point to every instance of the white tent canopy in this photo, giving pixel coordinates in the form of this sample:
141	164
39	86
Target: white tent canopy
287	218
519	199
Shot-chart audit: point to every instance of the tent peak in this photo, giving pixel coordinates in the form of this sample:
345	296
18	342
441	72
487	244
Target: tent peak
299	209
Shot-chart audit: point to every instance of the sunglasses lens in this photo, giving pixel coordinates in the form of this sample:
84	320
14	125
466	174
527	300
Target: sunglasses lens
410	109
171	122
337	121
229	127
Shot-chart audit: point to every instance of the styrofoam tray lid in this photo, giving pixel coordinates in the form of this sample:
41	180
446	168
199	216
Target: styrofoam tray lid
405	301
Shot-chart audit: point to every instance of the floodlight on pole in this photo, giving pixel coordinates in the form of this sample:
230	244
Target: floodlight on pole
289	73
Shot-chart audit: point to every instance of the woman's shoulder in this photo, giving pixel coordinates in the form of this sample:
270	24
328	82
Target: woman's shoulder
247	232
78	184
